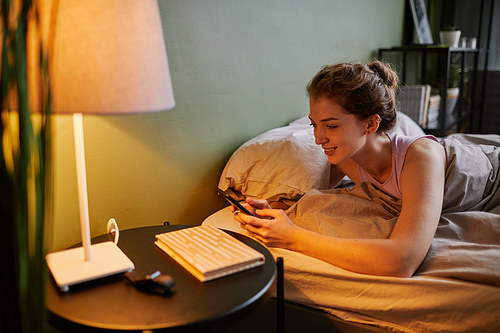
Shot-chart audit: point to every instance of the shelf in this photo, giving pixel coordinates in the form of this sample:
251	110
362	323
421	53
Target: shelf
449	124
440	66
437	48
437	64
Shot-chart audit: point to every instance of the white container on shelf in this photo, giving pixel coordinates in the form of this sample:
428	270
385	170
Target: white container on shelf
450	38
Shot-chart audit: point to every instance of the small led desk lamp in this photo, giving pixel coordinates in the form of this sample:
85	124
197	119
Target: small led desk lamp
108	57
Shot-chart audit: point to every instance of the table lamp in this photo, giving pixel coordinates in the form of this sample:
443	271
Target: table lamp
108	57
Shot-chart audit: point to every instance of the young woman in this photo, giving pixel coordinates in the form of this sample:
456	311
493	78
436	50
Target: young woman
352	109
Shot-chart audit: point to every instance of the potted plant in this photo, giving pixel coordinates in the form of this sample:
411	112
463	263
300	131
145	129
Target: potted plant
450	36
438	83
452	90
23	156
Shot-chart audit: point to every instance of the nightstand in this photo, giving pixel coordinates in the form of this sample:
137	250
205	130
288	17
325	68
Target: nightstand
112	304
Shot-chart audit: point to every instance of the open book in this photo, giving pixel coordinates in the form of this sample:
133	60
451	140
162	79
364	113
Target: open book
208	252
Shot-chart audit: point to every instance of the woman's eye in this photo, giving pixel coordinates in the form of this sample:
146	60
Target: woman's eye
331	126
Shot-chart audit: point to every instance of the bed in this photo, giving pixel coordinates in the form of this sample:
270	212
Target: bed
457	287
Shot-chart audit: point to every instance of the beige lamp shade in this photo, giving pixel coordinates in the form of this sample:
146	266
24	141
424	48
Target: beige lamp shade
108	57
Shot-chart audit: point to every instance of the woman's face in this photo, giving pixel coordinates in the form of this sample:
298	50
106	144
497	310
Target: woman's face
341	135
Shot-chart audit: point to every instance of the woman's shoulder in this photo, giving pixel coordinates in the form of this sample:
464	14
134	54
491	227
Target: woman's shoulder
419	155
423	146
401	143
424	150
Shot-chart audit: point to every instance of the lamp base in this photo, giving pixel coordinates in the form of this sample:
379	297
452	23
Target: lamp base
69	267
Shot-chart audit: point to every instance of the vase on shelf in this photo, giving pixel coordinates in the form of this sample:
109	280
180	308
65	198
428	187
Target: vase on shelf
450	38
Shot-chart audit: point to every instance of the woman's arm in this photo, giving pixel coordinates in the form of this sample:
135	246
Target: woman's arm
422	183
422	186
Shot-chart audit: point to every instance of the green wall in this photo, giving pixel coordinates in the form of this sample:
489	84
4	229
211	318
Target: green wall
238	69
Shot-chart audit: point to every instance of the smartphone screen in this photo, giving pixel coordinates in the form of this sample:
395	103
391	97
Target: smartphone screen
233	201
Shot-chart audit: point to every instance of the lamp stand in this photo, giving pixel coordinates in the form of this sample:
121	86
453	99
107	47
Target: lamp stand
89	262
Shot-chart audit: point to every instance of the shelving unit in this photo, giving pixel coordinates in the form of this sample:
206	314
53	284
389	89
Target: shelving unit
416	63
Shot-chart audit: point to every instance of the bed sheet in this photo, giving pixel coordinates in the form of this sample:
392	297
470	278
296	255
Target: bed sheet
423	303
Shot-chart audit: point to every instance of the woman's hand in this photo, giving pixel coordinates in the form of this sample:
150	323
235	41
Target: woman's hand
272	227
252	205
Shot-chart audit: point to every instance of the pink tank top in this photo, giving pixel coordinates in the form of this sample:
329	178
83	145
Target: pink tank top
399	145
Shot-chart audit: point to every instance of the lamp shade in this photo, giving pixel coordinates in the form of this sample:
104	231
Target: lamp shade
109	57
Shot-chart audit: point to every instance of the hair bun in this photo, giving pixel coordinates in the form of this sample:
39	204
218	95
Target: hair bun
385	72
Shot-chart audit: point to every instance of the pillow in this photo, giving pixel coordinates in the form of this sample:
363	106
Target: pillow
283	163
407	126
304	121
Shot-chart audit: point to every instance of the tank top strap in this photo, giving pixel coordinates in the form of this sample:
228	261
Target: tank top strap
399	146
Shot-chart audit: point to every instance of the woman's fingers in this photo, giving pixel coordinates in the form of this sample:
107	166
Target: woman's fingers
251	220
258	203
269	213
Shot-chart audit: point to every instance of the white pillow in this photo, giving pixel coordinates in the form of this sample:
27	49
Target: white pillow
283	163
407	126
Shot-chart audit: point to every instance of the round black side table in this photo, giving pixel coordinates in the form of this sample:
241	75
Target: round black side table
112	304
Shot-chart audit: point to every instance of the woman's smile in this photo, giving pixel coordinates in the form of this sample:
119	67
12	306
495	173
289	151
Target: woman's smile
329	151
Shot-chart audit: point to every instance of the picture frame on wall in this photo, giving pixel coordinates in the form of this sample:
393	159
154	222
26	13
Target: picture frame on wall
421	21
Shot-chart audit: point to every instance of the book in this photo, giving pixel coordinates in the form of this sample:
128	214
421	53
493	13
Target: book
208	252
423	115
414	101
432	119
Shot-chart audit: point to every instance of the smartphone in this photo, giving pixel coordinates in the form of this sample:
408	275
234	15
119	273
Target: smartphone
233	201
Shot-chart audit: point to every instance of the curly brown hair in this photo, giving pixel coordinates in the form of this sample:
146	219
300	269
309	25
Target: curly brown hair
361	89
